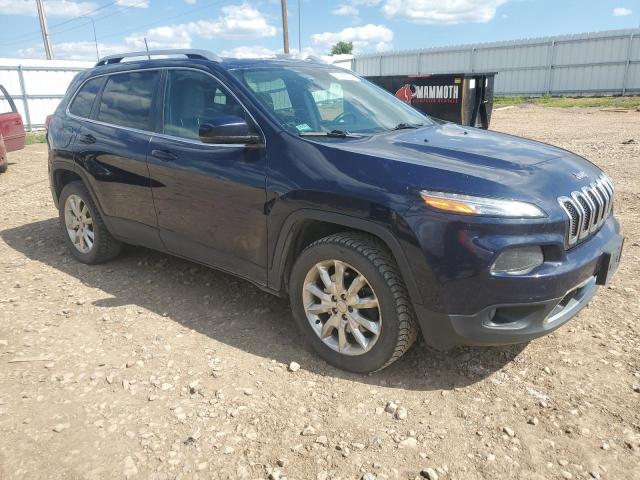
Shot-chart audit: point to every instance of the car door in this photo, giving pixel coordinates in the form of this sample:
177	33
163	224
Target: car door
11	126
111	148
209	199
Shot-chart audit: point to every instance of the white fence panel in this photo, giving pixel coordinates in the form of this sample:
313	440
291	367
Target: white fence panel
583	64
37	86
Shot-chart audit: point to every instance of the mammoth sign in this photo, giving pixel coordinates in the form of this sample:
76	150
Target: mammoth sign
462	98
412	93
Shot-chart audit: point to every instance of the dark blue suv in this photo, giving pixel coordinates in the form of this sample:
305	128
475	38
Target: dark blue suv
308	181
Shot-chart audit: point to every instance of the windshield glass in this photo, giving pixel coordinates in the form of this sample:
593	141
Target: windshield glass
318	99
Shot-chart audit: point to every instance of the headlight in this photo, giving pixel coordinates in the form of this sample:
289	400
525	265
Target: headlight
518	260
470	205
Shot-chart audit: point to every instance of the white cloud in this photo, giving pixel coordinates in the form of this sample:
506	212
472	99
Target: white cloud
53	8
366	37
74	50
190	2
447	12
622	12
133	3
234	22
345	10
350	8
249	52
169	36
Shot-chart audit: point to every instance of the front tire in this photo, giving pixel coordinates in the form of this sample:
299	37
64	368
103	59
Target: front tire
83	228
348	296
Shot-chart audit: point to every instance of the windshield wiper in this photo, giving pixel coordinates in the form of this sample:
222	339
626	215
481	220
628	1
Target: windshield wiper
332	134
407	126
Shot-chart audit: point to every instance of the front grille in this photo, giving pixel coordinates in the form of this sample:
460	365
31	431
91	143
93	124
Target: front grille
587	209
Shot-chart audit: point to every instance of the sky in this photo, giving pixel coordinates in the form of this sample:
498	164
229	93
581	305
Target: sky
247	28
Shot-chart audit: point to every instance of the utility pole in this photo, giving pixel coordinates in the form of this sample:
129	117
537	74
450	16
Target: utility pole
285	26
300	26
45	30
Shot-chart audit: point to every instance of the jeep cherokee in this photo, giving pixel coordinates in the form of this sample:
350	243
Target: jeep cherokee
378	222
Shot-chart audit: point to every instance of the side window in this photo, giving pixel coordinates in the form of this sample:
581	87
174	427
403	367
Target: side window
82	103
330	102
193	98
126	99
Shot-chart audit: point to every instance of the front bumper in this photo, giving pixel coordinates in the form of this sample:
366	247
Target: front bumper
475	307
505	324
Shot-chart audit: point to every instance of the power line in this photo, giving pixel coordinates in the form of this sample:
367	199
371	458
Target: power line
165	19
24	37
36	33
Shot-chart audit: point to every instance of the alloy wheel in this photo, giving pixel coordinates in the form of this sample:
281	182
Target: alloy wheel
77	219
342	307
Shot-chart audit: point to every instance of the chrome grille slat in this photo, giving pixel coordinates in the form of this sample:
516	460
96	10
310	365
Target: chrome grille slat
587	209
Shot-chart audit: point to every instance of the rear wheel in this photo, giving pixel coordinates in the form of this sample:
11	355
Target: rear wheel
348	296
83	228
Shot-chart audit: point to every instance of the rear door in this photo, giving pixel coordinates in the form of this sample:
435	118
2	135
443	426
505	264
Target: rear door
11	126
111	148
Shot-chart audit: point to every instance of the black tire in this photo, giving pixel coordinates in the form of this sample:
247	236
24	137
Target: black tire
105	247
371	258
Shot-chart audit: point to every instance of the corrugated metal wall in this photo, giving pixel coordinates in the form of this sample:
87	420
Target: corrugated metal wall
36	86
606	63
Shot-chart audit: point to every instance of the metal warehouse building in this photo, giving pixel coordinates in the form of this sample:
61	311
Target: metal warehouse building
601	63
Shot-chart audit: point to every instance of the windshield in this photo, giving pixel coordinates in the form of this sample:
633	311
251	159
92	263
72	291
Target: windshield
318	99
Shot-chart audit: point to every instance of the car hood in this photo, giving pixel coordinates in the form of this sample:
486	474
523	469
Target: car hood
450	157
459	145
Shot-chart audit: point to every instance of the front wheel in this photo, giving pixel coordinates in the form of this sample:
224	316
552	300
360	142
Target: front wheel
348	296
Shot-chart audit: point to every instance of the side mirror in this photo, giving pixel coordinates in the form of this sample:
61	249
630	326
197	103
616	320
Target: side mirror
227	130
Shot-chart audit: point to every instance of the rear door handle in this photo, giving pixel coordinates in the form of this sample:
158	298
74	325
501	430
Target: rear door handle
87	139
164	155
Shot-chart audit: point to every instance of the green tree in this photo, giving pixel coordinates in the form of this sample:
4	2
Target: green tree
341	48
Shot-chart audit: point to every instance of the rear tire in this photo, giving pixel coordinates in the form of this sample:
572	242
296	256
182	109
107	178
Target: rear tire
375	313
82	226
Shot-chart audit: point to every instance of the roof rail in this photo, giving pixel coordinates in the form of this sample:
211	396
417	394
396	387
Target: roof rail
192	54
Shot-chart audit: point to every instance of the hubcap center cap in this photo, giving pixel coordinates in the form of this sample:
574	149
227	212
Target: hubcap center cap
342	307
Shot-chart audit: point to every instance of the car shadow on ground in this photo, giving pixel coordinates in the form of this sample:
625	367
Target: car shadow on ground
239	314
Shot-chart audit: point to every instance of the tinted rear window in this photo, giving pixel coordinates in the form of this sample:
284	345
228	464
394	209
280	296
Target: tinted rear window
126	100
81	105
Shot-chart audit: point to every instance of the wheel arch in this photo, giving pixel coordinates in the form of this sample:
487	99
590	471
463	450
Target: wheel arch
65	174
305	226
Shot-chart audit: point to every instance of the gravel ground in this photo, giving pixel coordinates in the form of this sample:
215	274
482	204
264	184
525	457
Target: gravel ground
154	367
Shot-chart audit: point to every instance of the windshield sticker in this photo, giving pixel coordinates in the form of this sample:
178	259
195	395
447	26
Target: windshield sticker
303	127
344	76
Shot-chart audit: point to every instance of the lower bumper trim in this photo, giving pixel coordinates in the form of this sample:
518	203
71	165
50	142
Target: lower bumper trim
504	324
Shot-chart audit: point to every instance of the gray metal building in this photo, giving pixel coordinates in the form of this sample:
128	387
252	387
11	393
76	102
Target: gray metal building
600	63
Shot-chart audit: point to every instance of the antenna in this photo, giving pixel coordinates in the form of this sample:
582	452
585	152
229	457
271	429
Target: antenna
147	47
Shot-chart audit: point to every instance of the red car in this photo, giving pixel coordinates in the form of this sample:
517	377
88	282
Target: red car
11	129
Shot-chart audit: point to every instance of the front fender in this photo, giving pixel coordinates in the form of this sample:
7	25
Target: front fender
388	233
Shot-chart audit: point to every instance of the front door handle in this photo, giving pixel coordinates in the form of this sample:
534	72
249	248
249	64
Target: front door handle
87	139
164	155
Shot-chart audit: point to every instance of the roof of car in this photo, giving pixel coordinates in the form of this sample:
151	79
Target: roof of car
188	56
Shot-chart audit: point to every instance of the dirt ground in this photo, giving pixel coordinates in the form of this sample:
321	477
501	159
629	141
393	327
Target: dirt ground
154	367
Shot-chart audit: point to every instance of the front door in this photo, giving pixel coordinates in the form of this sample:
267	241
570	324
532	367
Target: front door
209	199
